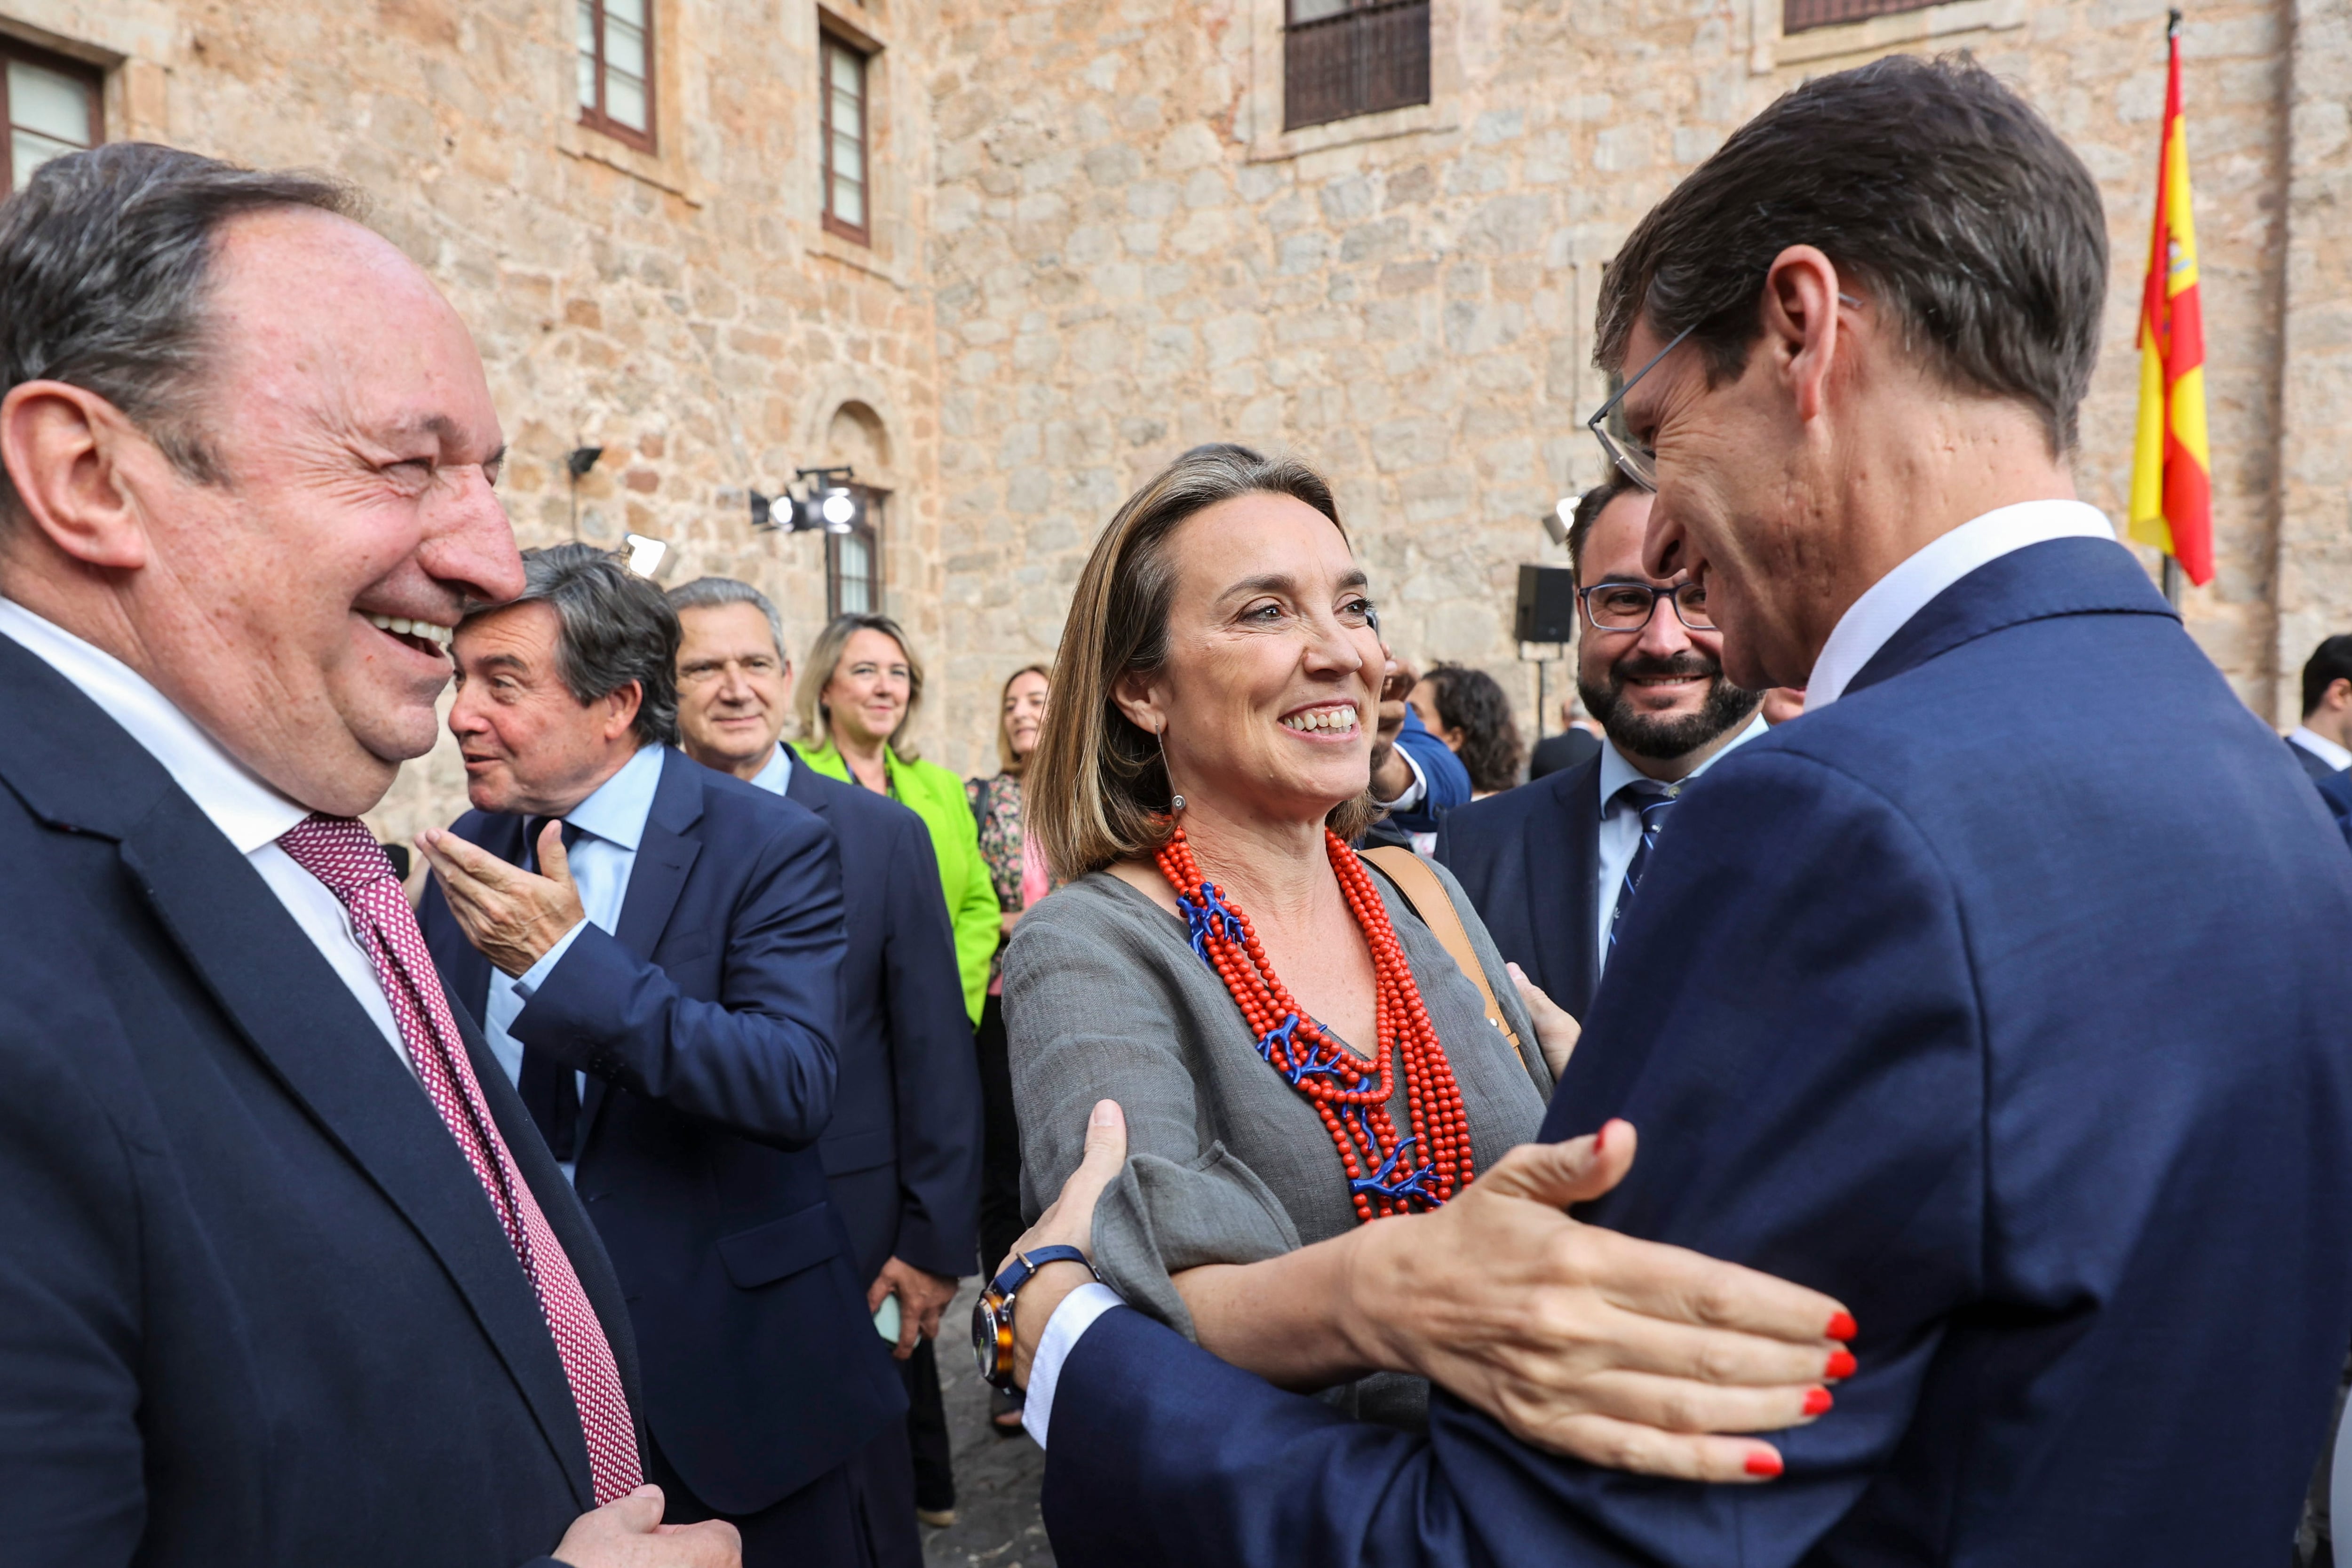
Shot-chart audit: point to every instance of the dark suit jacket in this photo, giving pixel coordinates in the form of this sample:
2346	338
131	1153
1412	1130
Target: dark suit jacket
1555	753
2336	789
902	1152
1530	860
253	1305
2313	764
2030	1040
706	1025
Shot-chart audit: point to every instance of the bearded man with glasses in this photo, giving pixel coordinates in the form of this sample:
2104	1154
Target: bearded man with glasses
1552	866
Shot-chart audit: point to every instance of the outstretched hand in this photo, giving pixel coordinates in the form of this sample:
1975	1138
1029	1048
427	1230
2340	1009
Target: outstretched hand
1069	1221
513	916
627	1532
1627	1353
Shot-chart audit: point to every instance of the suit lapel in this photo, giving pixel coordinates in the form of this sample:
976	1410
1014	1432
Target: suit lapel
665	856
1578	826
329	1057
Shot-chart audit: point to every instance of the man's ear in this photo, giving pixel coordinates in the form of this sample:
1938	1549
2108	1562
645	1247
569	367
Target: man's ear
65	449
621	707
2339	695
1800	324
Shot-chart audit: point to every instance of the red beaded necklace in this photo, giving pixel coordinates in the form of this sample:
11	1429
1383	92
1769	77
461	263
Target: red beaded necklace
1348	1093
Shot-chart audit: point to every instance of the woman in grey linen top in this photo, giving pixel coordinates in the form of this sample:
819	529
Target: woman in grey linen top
1226	1162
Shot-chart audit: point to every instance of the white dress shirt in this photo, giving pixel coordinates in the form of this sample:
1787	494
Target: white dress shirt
1888	605
1621	827
2320	746
249	814
611	822
778	774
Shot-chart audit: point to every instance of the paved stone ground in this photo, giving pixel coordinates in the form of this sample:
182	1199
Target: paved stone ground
997	1525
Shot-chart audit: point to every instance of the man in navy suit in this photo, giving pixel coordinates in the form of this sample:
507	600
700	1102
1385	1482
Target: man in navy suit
2323	741
2021	1026
1551	866
902	1154
652	950
281	1260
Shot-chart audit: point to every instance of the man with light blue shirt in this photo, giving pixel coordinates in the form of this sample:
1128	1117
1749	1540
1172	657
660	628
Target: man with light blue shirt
652	949
1552	865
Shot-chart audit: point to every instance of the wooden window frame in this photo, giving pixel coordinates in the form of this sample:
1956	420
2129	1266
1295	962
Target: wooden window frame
870	529
94	86
1346	32
1804	15
593	117
859	234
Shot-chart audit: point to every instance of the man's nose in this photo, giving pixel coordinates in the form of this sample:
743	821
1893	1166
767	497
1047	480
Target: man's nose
464	719
1665	636
1665	545
468	544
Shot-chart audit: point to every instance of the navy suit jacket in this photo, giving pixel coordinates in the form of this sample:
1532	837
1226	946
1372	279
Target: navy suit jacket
253	1305
1447	781
1530	860
2030	1040
2336	789
902	1153
2314	765
706	1025
1568	749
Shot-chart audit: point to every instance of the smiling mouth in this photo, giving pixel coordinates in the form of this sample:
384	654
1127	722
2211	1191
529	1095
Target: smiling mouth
1338	720
423	635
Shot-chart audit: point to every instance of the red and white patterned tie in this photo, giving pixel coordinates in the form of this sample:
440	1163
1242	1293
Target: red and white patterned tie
345	856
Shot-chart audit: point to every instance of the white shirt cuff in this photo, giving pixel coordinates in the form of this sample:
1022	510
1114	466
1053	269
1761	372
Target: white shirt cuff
1075	1315
534	977
1413	792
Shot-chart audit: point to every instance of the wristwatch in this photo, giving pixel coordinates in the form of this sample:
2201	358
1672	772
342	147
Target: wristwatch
992	1315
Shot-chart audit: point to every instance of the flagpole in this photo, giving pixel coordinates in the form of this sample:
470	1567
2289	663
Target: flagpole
2171	561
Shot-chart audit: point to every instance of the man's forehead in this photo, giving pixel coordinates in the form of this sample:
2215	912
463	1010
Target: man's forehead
519	632
1614	549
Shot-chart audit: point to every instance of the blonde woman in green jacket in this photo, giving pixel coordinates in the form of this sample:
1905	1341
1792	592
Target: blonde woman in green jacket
863	686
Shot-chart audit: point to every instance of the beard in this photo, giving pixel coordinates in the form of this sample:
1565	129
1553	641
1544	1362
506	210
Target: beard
1666	736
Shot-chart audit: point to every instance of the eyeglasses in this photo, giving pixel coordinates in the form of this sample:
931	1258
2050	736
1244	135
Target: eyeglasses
1628	607
1637	462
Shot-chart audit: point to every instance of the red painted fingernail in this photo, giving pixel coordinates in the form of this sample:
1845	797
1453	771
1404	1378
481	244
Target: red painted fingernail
1842	1365
1818	1401
1764	1462
1844	1327
1599	1137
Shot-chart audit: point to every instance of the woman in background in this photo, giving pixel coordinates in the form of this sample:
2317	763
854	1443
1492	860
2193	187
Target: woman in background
1018	874
856	703
1466	709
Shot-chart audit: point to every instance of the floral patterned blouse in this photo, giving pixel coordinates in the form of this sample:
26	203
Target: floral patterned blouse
996	806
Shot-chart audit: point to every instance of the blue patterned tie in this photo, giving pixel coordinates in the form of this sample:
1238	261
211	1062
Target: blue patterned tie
1655	798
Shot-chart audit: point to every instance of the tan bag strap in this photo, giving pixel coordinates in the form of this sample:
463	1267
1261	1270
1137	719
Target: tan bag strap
1427	894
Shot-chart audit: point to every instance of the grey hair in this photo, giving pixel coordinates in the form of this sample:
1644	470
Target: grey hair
711	593
615	627
105	259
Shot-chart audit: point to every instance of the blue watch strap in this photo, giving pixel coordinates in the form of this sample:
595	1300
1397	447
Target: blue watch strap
1016	1273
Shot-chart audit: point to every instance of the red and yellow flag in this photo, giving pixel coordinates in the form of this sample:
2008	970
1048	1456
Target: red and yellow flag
2172	488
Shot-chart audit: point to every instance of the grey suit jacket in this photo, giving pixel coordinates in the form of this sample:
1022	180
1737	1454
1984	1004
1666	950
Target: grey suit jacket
1104	998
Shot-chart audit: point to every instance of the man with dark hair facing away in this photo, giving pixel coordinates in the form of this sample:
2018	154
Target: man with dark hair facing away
652	949
2023	1029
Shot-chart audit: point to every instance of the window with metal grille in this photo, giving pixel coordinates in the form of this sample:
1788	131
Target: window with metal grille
48	106
616	69
852	562
1344	57
1796	15
842	136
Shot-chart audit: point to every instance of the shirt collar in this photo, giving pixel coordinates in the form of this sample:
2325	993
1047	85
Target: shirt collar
1617	774
2320	746
617	809
1888	605
777	773
249	812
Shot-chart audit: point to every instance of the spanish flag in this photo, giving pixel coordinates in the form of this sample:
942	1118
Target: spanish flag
2172	490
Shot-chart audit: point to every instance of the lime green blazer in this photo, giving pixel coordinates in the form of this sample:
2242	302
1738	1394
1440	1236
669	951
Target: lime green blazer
936	796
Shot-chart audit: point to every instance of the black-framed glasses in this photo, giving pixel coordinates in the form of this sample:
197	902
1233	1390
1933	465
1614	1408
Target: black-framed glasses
1632	459
1628	607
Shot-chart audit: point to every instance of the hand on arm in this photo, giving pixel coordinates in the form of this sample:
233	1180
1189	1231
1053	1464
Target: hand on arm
1069	1221
1391	774
514	917
1556	1032
922	1296
627	1532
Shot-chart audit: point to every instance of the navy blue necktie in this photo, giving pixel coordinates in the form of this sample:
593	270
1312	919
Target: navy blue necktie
1654	799
550	1091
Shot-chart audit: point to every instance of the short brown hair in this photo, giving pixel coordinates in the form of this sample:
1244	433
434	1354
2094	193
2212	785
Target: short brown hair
1098	787
824	658
1948	200
1588	508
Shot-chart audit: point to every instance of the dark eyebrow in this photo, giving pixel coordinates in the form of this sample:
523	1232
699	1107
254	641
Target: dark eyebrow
502	661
